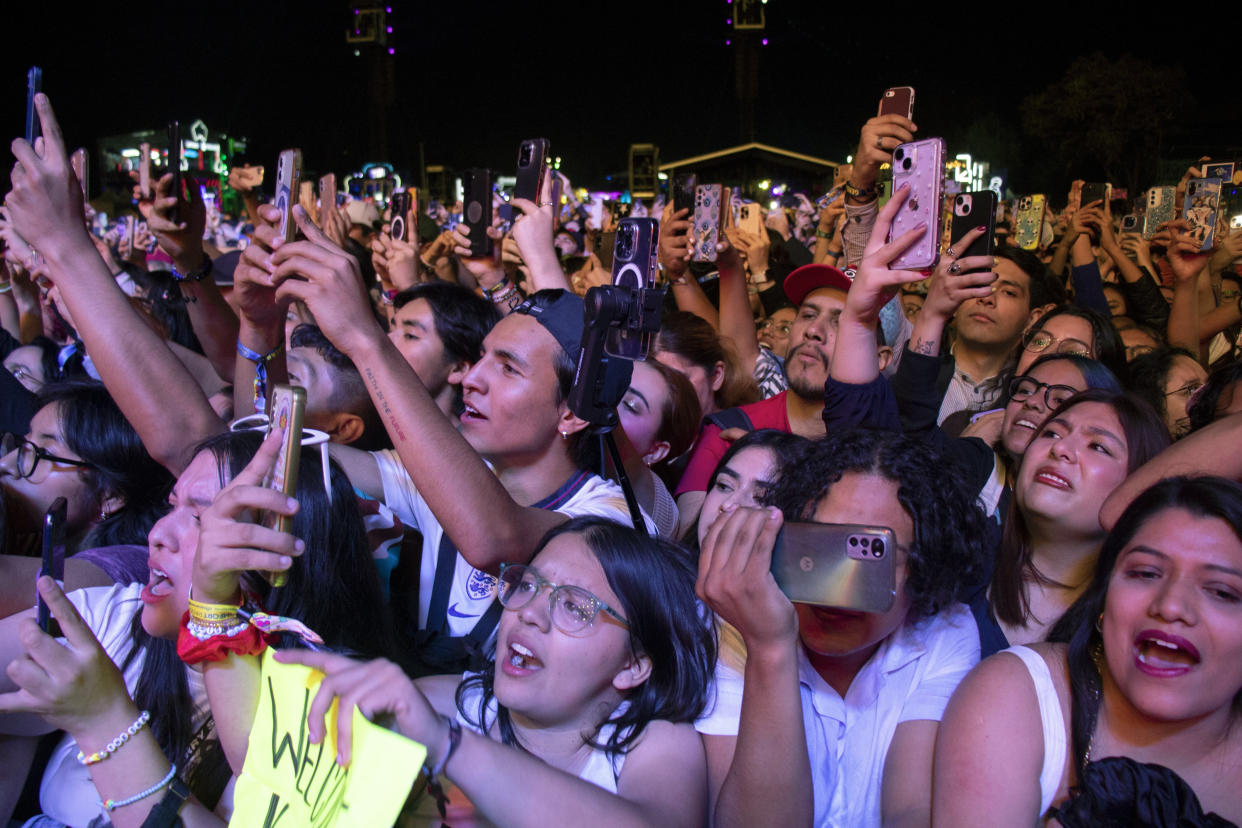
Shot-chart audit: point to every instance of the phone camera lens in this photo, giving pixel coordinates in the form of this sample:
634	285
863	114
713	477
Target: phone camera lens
853	541
899	153
524	161
906	163
877	547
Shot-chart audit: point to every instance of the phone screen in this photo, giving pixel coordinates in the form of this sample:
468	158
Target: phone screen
53	558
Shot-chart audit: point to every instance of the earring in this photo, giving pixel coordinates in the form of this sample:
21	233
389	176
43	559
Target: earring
1099	623
565	436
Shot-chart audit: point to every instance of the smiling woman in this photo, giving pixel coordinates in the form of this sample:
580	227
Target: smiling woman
1151	681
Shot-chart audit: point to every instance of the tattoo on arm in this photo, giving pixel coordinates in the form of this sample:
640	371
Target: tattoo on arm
926	347
381	402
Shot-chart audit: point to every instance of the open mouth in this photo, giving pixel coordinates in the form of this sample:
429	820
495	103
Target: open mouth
521	658
1161	654
159	585
469	412
1050	478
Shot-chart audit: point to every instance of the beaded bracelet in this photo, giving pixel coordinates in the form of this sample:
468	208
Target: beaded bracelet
112	804
115	745
196	275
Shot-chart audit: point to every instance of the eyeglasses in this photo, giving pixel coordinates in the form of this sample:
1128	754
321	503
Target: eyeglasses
1188	390
573	608
781	328
29	455
1039	341
26	377
1133	351
1054	395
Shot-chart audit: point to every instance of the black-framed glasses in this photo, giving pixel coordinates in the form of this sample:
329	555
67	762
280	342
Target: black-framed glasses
1188	390
29	455
573	608
1023	387
1039	341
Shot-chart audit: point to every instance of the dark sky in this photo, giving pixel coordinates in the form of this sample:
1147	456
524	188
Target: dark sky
472	79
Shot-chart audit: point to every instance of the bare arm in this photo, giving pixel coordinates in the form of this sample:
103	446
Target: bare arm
533	233
737	323
1198	453
1187	262
140	372
675	256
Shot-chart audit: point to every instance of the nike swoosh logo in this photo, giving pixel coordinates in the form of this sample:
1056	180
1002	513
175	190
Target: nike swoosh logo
452	610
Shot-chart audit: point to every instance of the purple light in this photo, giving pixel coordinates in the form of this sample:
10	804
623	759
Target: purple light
729	21
392	51
390	29
355	11
728	42
765	41
388	9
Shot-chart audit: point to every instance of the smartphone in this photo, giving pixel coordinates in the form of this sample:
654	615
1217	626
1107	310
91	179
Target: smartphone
144	171
750	218
708	208
1094	191
920	166
53	558
683	193
840	565
476	184
288	408
327	191
81	163
174	166
34	85
605	244
633	266
1130	223
131	230
824	201
971	210
1201	207
899	100
288	173
555	200
306	197
531	166
1028	220
399	216
1161	208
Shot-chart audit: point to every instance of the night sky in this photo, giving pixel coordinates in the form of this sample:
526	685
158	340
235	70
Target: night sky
472	79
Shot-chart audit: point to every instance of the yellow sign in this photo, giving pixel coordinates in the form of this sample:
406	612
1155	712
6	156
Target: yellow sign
287	782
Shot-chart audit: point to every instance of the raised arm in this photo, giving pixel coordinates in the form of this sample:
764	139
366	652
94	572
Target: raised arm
1187	262
432	451
532	231
764	776
142	374
675	252
737	322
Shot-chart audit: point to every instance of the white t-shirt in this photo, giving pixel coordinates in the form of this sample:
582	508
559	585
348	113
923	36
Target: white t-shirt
472	590
67	793
909	678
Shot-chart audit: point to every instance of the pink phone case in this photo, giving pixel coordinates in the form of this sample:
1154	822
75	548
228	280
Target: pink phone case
920	165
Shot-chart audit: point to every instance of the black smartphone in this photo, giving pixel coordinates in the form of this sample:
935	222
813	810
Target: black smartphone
34	85
174	166
683	194
634	258
399	216
971	210
53	559
605	243
841	565
1092	192
476	184
531	166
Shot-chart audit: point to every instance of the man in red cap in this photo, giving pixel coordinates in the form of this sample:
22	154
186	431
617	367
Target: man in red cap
819	292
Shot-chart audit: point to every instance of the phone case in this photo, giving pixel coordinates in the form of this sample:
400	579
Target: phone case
1201	209
399	220
53	563
174	166
750	218
971	210
846	566
327	191
288	408
1094	191
477	210
684	187
1161	208
288	173
634	256
707	198
920	166
899	100
532	162
1028	220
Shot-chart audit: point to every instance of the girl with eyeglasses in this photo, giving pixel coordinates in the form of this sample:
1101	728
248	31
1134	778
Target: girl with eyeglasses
82	448
601	663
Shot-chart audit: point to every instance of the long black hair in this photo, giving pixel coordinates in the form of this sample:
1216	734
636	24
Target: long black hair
333	588
1208	497
654	583
93	427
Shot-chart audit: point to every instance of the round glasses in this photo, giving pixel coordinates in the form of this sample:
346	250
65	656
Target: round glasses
1054	395
29	455
1039	341
782	328
573	608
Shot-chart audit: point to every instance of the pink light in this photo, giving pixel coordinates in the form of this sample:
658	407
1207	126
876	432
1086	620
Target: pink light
388	9
390	29
729	21
765	41
728	42
392	51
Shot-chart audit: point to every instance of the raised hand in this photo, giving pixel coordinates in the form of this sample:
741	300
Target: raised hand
958	279
182	241
879	137
45	206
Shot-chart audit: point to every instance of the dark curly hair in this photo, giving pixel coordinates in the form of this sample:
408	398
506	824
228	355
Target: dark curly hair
654	582
1216	394
949	528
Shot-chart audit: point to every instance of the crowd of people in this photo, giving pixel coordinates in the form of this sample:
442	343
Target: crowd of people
1047	438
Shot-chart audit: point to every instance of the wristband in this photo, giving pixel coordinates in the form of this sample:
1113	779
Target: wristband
260	372
112	804
820	234
860	195
191	650
433	774
5	287
499	287
387	296
115	745
196	275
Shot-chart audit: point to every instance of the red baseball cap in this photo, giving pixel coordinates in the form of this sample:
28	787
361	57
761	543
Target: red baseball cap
811	277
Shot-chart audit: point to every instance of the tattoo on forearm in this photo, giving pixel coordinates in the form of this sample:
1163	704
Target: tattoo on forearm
926	347
386	412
